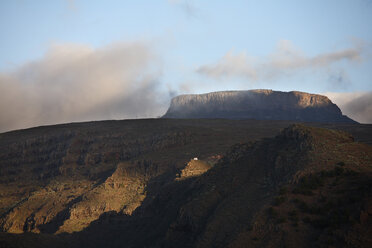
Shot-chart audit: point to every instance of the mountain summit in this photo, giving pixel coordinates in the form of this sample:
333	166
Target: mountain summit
257	104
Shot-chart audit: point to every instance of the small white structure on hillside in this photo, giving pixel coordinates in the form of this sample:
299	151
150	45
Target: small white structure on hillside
195	158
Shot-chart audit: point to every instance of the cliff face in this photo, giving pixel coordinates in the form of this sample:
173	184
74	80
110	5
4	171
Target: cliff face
257	104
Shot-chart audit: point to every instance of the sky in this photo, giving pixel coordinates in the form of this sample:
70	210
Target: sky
80	60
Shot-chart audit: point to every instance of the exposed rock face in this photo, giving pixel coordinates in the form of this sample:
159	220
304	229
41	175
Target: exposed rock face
257	104
194	168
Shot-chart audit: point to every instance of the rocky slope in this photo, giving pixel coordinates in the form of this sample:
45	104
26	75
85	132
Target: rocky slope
194	168
257	104
132	184
307	187
61	178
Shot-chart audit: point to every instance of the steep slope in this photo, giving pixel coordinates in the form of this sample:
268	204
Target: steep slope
328	203
60	178
257	104
307	187
259	194
242	201
49	181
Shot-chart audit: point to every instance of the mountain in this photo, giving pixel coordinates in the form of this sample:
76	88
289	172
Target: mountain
60	178
136	183
257	104
306	187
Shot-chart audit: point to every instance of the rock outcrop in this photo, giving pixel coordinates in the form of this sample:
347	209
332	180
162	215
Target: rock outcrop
194	168
257	104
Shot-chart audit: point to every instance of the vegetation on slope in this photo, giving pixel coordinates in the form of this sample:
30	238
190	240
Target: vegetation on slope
60	178
306	187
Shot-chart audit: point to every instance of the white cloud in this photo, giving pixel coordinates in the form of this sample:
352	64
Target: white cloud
231	65
356	105
285	60
76	83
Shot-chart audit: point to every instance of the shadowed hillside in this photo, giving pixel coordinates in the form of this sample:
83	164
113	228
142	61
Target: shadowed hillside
60	178
261	193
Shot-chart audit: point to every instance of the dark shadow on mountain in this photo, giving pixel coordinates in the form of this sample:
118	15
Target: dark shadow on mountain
148	224
53	225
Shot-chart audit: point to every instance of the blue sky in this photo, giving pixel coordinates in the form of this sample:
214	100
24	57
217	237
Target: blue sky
183	47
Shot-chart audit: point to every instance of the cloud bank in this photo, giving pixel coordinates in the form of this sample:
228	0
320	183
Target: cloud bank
356	105
285	60
77	83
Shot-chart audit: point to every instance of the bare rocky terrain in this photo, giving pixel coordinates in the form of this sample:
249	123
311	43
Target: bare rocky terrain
134	183
257	104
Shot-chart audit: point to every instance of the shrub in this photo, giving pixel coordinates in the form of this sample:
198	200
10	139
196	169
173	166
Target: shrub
294	218
306	219
339	171
349	172
303	206
279	200
307	184
281	220
322	199
341	163
283	190
292	213
327	173
272	212
320	223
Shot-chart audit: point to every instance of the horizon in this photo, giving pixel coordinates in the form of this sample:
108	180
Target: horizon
76	60
161	116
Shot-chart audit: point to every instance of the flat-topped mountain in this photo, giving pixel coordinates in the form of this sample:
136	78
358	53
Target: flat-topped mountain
257	104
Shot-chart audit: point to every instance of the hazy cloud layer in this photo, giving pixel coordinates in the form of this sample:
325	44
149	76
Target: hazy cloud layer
76	83
285	60
356	105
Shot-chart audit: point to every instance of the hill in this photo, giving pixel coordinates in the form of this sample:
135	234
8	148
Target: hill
257	104
307	187
132	182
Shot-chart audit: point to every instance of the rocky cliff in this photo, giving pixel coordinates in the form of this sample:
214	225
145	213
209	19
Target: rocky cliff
257	104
